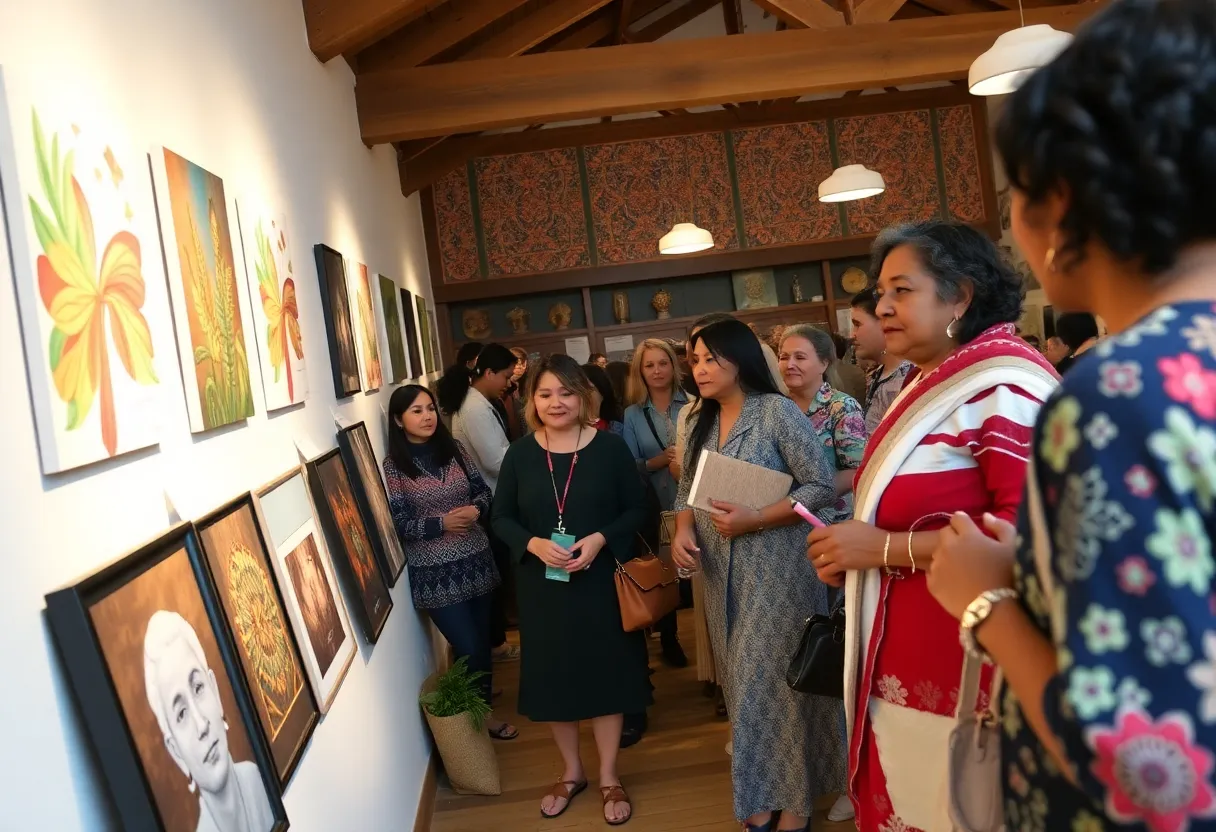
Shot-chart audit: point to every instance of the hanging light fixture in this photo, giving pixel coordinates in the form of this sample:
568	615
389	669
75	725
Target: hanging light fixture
851	182
1015	55
685	238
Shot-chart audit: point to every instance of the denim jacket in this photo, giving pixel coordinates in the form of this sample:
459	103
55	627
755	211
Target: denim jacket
643	444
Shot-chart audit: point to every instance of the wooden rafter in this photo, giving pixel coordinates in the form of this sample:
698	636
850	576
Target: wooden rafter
732	17
536	28
479	95
800	14
343	27
876	11
956	6
450	26
623	20
673	20
601	26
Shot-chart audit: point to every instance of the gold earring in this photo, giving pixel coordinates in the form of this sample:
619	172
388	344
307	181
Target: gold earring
950	327
1049	262
191	785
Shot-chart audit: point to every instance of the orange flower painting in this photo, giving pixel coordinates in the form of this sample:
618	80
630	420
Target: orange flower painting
276	314
365	327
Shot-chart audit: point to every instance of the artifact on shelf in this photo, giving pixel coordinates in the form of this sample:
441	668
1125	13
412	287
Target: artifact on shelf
755	289
519	318
560	315
796	290
476	324
662	304
854	280
620	307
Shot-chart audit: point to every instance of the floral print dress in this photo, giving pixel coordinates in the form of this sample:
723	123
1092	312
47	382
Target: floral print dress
1125	464
840	423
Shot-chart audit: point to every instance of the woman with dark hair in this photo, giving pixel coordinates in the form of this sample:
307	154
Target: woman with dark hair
569	506
618	374
1079	332
759	590
954	439
437	496
606	411
466	356
513	397
1097	607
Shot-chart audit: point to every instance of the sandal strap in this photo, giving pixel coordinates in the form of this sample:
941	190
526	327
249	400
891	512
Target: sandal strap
614	794
563	789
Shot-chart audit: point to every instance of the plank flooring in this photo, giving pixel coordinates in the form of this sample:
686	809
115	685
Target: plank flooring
678	776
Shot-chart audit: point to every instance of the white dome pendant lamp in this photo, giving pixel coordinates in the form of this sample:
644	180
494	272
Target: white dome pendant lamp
1014	56
851	182
685	238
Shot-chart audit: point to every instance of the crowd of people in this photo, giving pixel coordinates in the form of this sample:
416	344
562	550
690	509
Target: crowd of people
1045	516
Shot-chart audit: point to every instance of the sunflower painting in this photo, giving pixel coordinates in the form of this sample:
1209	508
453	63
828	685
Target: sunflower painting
363	314
88	285
207	306
276	312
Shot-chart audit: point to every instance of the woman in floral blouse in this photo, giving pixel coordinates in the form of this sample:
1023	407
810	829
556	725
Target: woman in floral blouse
1107	640
806	358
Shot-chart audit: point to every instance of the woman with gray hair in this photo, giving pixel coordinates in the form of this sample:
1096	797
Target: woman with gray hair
185	699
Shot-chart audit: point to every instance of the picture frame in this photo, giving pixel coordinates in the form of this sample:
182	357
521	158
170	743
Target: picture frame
390	312
142	629
242	579
372	498
307	582
754	288
339	329
343	526
412	343
363	316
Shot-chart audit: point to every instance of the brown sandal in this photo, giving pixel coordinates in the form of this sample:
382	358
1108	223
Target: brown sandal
564	790
616	794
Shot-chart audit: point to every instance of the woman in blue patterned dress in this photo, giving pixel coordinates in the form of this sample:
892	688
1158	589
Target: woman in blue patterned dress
1099	606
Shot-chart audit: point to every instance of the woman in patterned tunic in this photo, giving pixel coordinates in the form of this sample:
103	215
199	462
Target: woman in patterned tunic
1108	647
759	590
437	496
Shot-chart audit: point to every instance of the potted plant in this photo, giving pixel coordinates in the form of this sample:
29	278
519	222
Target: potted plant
456	713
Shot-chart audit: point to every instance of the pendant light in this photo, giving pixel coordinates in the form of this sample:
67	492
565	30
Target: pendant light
851	182
685	238
1014	56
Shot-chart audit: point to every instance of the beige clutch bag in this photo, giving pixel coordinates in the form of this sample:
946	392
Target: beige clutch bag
730	480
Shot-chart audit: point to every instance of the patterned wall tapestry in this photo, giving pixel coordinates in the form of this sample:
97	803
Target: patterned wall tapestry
608	204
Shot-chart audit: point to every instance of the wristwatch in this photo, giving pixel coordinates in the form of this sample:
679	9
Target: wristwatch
976	613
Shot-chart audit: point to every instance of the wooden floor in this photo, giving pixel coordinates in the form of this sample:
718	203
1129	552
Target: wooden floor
678	776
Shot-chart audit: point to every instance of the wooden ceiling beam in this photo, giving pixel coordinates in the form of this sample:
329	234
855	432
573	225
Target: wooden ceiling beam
601	27
957	6
802	14
645	77
536	28
732	17
451	25
673	20
343	27
876	11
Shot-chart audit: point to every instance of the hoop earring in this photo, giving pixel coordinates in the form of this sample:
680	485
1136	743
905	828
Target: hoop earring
191	786
950	328
226	728
1049	261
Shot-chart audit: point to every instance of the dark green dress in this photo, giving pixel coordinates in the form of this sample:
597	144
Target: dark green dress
577	662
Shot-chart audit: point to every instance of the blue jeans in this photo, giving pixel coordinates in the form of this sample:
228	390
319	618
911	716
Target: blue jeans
466	626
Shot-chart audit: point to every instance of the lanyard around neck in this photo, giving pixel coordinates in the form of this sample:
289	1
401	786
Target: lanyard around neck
561	501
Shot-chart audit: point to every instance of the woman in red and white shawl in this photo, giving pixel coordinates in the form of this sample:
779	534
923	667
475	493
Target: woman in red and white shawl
955	439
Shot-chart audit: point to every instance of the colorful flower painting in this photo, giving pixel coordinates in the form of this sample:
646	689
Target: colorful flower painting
88	285
207	307
364	316
270	268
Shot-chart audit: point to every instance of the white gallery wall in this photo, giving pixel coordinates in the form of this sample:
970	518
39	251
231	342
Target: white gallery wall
232	86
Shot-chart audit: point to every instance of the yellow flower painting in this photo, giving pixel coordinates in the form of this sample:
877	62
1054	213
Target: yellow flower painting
276	312
364	317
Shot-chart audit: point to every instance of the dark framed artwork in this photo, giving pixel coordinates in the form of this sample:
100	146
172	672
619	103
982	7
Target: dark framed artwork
241	573
398	368
339	329
372	499
308	583
348	539
411	334
159	686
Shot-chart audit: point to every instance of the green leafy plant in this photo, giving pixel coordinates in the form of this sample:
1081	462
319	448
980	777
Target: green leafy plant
457	692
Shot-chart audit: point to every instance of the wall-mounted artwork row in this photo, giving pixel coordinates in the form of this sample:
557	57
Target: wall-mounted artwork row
203	286
411	334
398	368
90	287
372	499
339	330
359	286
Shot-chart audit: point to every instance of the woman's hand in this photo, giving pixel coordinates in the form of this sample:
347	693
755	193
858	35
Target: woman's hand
460	520
968	562
661	460
684	549
549	552
586	549
841	547
735	520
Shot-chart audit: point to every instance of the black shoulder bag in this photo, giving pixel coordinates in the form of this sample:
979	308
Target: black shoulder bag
817	666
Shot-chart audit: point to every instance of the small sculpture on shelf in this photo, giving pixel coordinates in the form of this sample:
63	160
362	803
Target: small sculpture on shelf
519	318
662	304
560	315
620	306
476	324
796	290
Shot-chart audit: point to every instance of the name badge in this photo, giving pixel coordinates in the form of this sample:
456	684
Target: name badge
556	573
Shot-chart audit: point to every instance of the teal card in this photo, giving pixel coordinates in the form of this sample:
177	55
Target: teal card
554	573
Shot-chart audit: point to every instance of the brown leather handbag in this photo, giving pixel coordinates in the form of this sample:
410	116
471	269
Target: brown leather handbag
647	589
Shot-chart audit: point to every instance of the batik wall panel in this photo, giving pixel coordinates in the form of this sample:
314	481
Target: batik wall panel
900	147
960	163
457	230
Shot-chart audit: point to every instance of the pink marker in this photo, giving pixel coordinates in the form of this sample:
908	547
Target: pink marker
802	512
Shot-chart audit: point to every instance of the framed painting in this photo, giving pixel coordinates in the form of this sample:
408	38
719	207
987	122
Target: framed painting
82	227
240	571
372	499
424	325
398	368
203	288
438	359
158	683
754	289
359	287
335	501
340	332
306	578
411	334
270	269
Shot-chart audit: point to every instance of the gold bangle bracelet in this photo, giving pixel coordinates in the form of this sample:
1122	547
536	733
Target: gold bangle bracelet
910	557
886	550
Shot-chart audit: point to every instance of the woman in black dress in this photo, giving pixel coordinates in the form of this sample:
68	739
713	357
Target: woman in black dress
569	505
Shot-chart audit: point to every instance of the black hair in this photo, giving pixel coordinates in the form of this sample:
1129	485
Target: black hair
618	374
441	443
596	356
867	300
842	345
610	406
1075	328
454	386
1123	122
468	352
731	340
955	254
708	320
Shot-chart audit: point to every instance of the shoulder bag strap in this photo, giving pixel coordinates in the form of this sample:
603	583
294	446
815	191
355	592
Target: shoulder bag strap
650	422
